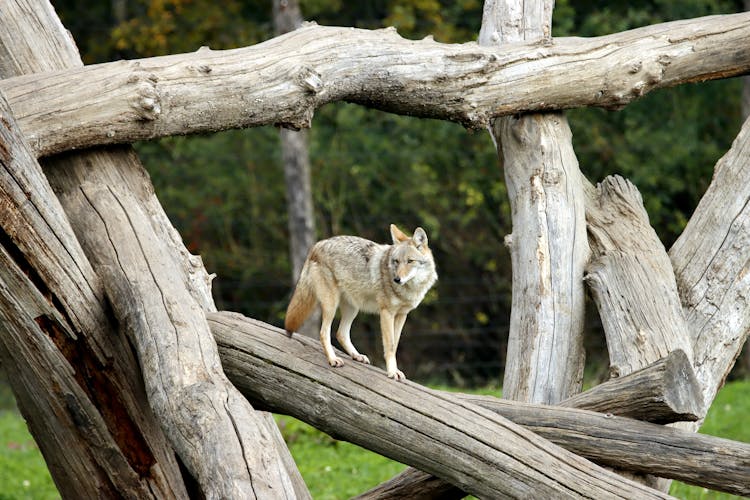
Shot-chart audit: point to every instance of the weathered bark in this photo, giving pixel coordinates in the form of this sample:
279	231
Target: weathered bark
296	158
632	281
664	392
213	428
710	262
71	372
282	81
414	485
548	247
463	444
291	376
635	446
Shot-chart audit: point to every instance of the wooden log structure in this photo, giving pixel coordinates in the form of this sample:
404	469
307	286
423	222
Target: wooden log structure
115	214
282	81
291	376
664	392
58	311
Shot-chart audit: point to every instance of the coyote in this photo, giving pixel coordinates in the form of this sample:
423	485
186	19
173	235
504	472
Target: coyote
355	274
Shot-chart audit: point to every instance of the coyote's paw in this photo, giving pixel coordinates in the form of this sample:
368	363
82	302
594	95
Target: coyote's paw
397	375
361	358
336	362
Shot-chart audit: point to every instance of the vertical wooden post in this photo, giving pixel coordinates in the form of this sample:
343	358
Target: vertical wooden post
548	246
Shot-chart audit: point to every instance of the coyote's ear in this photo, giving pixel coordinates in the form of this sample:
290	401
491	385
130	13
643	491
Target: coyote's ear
397	235
420	238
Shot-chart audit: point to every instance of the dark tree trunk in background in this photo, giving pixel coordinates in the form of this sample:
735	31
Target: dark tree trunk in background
295	155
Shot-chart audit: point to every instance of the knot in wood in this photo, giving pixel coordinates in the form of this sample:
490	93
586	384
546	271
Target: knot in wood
147	103
551	176
310	80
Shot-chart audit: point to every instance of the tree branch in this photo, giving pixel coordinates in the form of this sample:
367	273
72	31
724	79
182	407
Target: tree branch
710	261
282	81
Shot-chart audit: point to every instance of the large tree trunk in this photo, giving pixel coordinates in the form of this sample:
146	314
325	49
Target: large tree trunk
710	261
74	376
632	281
154	291
291	376
548	246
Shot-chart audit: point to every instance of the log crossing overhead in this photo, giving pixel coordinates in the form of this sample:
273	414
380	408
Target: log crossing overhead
284	80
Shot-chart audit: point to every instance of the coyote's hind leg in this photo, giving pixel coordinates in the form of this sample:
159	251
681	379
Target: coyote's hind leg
343	334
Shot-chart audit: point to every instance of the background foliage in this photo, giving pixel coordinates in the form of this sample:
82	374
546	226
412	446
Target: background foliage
225	192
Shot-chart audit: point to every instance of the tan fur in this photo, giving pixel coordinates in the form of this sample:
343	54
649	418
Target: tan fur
354	274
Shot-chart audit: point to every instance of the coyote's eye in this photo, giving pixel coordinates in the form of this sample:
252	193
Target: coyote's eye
395	262
410	261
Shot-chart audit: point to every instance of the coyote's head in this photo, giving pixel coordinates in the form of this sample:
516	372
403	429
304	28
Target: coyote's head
410	257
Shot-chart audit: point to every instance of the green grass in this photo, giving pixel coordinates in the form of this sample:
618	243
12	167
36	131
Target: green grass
728	417
23	473
332	469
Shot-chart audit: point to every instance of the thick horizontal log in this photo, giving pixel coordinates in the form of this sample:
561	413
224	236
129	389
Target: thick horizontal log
664	392
473	448
291	376
282	81
632	445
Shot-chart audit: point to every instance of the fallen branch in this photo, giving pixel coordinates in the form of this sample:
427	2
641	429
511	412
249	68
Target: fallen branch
664	392
359	404
282	81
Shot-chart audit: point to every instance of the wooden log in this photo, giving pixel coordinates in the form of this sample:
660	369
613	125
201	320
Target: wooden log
632	445
222	442
211	426
415	485
632	281
73	375
468	446
664	392
282	81
710	263
357	403
548	247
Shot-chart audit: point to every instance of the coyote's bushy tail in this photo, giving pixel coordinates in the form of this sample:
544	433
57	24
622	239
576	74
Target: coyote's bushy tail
302	303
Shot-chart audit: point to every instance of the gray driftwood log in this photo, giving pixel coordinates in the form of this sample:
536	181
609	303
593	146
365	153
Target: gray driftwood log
223	443
87	412
463	444
548	248
664	392
632	281
282	81
710	263
291	376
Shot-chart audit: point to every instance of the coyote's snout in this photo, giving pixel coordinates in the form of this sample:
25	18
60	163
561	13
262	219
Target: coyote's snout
355	274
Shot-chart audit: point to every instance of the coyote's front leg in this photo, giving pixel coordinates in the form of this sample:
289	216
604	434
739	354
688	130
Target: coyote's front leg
388	324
